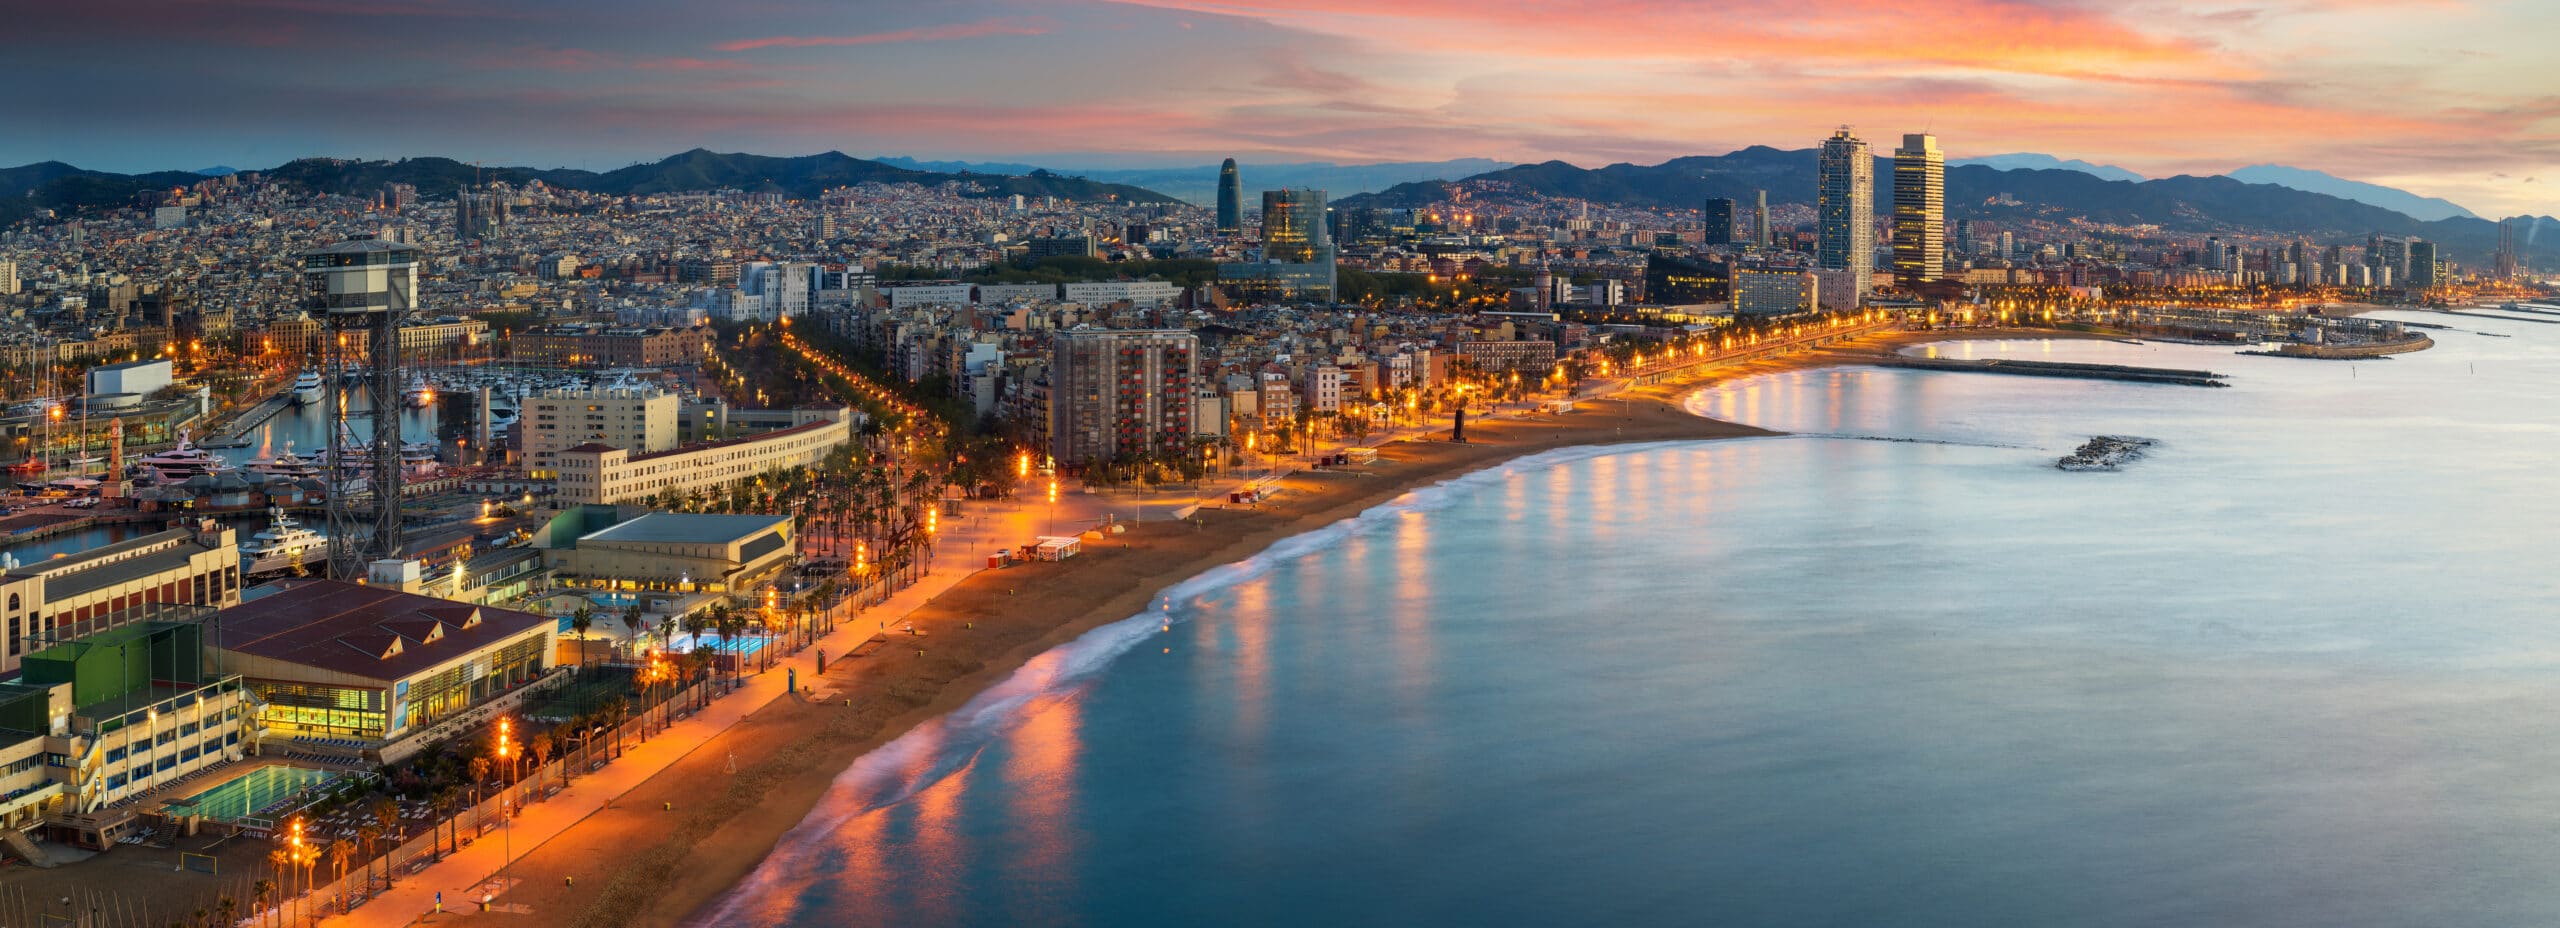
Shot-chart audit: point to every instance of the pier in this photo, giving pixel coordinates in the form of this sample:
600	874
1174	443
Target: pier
2061	369
235	434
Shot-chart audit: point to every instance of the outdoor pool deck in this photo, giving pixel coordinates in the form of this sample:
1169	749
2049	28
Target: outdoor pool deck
249	790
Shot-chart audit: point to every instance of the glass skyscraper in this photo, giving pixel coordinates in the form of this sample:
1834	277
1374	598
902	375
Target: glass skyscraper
1230	199
1845	211
1919	211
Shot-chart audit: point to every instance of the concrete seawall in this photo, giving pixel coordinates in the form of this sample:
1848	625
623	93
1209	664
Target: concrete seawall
2063	369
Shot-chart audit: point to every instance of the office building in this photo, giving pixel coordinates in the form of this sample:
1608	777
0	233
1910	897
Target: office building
1773	292
1293	226
1297	251
1715	222
1845	209
1919	211
1116	393
1230	199
8	277
2425	269
1062	246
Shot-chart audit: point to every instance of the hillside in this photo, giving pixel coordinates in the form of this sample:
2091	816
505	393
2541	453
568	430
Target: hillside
54	185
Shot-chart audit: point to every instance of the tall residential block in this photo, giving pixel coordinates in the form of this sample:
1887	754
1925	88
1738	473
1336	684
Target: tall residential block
1919	211
1118	393
1230	199
1760	219
1716	221
1845	207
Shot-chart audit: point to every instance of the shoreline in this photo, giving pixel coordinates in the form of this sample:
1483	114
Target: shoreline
644	863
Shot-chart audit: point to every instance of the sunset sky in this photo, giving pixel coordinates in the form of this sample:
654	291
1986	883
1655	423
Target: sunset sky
2451	98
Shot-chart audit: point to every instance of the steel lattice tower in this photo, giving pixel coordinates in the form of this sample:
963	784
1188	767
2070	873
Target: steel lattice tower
361	290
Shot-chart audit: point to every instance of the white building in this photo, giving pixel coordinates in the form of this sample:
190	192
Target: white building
1147	293
140	377
921	295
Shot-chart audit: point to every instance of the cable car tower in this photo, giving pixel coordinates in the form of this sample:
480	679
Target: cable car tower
361	290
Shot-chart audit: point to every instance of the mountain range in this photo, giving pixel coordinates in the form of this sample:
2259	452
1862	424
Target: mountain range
67	189
1974	191
1199	184
2428	208
2031	161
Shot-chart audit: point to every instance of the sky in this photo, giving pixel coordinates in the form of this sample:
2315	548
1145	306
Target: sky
2450	98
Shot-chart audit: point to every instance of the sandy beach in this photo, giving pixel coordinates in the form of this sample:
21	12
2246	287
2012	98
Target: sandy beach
676	843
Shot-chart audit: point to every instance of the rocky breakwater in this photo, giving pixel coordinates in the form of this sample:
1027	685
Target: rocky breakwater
2105	452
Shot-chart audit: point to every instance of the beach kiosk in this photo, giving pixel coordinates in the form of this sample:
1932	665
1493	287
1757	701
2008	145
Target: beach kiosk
1057	547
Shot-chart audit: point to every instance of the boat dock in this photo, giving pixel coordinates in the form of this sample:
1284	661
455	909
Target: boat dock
2061	369
235	434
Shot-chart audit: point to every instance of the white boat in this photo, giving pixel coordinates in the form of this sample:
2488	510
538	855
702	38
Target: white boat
420	395
418	459
306	388
282	544
287	464
184	461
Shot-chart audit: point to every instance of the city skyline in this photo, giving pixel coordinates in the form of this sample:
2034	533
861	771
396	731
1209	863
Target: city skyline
2437	99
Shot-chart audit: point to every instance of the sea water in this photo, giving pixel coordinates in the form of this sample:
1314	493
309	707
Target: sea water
2298	666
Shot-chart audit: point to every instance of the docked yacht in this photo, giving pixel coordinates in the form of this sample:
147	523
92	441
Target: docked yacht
421	394
281	545
287	464
184	461
306	388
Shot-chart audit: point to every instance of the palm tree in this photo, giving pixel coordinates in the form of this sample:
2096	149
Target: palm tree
262	888
541	757
581	621
228	909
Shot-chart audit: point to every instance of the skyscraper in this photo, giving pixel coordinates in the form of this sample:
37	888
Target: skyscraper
1293	229
2505	266
1845	210
1919	211
1716	220
1760	220
1297	251
2424	271
1230	199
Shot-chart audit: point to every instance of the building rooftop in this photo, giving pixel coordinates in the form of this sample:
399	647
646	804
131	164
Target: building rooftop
726	442
363	631
99	568
694	527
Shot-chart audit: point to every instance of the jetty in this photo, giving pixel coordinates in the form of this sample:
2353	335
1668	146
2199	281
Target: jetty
2104	452
2123	372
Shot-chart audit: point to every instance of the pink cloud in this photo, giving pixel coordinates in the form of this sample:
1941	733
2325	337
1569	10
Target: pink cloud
688	64
979	29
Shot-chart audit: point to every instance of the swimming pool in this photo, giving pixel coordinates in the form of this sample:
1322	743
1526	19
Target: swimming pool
248	793
742	645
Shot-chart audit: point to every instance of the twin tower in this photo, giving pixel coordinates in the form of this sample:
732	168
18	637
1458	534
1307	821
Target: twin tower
1845	209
